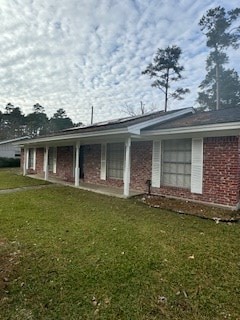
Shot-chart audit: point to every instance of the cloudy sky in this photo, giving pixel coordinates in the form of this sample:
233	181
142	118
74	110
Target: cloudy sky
73	54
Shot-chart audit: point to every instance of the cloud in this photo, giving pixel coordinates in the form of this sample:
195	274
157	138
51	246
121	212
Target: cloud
73	54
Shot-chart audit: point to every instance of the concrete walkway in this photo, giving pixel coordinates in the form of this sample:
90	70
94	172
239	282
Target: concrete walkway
109	191
5	191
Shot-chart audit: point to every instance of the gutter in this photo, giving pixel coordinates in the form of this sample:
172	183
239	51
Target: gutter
194	129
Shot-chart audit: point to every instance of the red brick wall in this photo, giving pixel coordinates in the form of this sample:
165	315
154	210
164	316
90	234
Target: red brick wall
221	177
39	160
141	165
92	167
221	169
92	163
65	163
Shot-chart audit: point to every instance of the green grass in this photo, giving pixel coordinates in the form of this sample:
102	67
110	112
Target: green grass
12	178
70	246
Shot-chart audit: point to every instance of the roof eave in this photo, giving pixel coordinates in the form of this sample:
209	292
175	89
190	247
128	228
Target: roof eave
75	136
193	129
136	129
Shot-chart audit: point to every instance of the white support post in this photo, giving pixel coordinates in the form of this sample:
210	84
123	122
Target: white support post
25	160
127	164
46	163
77	171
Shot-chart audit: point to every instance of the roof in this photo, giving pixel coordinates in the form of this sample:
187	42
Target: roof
118	123
157	123
201	118
132	125
14	140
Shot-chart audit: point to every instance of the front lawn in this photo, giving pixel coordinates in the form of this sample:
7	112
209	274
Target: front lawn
12	178
72	254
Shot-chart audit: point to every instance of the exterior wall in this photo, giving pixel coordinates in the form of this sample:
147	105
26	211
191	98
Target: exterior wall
221	176
65	163
92	167
221	169
39	160
141	165
8	150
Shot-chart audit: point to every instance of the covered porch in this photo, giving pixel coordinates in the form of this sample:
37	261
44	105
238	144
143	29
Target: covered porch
102	189
74	157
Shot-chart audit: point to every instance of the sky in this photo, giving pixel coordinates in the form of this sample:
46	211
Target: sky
75	54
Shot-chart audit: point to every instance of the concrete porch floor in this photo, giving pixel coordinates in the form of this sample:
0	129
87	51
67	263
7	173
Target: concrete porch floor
110	191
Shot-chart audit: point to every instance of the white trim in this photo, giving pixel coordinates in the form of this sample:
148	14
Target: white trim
54	159
156	164
162	118
77	170
27	158
25	161
75	136
127	167
194	129
197	166
103	173
34	159
14	140
46	163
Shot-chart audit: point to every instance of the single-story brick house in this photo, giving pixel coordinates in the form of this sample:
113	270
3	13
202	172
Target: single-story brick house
185	153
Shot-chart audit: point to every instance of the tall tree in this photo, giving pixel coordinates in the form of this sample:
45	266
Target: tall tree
60	121
166	69
37	121
12	123
229	88
222	32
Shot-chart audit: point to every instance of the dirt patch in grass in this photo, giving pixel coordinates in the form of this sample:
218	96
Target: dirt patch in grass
192	208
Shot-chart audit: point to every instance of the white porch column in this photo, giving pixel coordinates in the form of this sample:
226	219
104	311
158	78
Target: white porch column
25	161
77	164
46	163
127	164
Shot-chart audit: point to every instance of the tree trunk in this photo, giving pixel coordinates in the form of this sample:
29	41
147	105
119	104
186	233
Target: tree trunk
217	87
166	92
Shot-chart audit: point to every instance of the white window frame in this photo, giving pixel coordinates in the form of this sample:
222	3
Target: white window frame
115	150
176	163
31	157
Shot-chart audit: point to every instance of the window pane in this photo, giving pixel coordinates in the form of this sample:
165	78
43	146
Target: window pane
176	163
115	157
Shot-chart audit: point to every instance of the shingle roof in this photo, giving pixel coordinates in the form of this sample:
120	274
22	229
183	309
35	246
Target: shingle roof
201	118
118	123
111	124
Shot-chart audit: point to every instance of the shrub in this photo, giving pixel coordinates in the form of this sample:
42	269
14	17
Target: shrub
9	162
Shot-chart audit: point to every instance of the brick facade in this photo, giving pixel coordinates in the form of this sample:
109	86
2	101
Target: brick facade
141	165
65	160
92	167
221	175
39	160
221	169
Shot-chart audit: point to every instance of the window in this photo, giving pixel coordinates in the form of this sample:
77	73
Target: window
52	158
31	159
176	163
115	158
